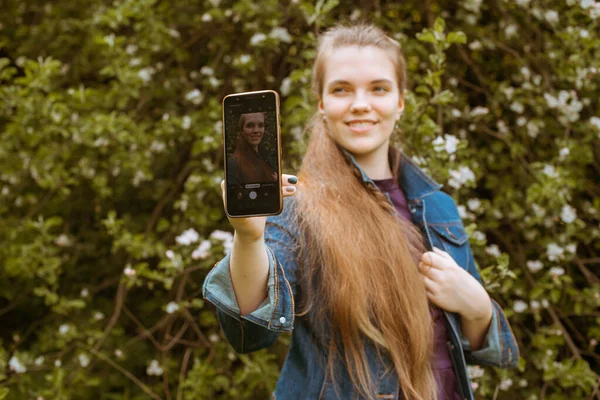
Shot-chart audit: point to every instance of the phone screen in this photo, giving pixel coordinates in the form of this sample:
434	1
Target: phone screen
252	155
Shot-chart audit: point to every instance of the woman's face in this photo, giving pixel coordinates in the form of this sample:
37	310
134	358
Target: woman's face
253	129
361	100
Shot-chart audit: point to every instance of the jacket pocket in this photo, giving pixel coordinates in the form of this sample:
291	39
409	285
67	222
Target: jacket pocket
452	238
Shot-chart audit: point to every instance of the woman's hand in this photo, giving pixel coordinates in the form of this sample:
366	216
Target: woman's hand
452	288
251	229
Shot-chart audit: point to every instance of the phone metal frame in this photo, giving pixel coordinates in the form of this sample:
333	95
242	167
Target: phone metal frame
278	123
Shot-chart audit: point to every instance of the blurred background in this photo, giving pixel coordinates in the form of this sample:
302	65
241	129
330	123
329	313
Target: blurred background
111	160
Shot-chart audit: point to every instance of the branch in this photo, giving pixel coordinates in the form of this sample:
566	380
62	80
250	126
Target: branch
182	371
122	370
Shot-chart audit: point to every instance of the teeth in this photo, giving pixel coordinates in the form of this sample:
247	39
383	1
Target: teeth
360	124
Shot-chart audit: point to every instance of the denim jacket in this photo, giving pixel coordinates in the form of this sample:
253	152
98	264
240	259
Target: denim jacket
303	376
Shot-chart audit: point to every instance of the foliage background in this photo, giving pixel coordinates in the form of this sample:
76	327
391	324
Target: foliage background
111	159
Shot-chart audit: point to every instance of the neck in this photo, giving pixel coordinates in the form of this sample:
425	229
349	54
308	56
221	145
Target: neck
255	148
375	164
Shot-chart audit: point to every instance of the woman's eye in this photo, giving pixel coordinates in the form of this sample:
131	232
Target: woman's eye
380	89
338	90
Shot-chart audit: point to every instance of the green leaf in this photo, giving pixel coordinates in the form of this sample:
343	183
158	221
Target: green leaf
457	37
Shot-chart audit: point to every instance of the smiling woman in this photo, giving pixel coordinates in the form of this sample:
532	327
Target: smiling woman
246	164
377	311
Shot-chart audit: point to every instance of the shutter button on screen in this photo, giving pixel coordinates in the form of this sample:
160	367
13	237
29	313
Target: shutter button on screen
252	195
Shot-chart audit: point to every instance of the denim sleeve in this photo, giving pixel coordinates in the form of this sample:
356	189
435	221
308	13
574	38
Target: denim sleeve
260	328
500	348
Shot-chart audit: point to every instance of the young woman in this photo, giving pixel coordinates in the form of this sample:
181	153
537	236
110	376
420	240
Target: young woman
245	164
369	263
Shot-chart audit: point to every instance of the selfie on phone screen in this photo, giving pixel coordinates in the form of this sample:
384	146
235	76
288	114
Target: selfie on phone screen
252	154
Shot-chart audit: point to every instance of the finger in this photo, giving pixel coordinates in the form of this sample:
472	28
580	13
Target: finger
289	191
433	259
441	252
430	285
287	180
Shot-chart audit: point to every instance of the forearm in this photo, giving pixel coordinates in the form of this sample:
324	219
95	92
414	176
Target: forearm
475	326
249	268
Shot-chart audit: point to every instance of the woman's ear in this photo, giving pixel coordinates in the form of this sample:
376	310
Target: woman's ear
320	107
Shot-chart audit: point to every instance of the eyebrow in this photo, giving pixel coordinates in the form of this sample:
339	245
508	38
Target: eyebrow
343	82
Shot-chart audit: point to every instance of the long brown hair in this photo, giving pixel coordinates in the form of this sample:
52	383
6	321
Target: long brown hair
360	274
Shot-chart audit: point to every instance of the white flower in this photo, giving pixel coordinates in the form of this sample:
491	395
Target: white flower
16	365
110	40
195	96
501	125
451	143
186	123
118	353
517	107
545	304
63	329
456	113
585	4
477	111
462	212
245	59
130	272
550	171
84	360
568	214
479	236
131	49
172	307
98	316
280	34
258	38
584	33
39	361
154	369
510	31
563	153
519	306
84	292
202	251
285	87
474	204
554	251
460	177
145	74
523	3
206	17
188	237
571	248
525	72
557	271
551	16
170	254
206	70
475	371
493	250
505	384
63	241
57	363
534	266
534	304
595	121
475	45
223	236
214	338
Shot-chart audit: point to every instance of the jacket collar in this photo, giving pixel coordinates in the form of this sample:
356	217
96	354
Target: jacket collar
413	181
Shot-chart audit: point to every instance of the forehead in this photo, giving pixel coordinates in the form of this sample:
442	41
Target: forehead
254	117
359	65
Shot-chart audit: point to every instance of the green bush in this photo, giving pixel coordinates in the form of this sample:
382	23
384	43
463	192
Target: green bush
111	160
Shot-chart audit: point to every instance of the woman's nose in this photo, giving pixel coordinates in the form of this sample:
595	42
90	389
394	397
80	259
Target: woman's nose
360	104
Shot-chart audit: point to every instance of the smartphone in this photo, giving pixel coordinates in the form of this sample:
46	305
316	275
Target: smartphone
252	146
